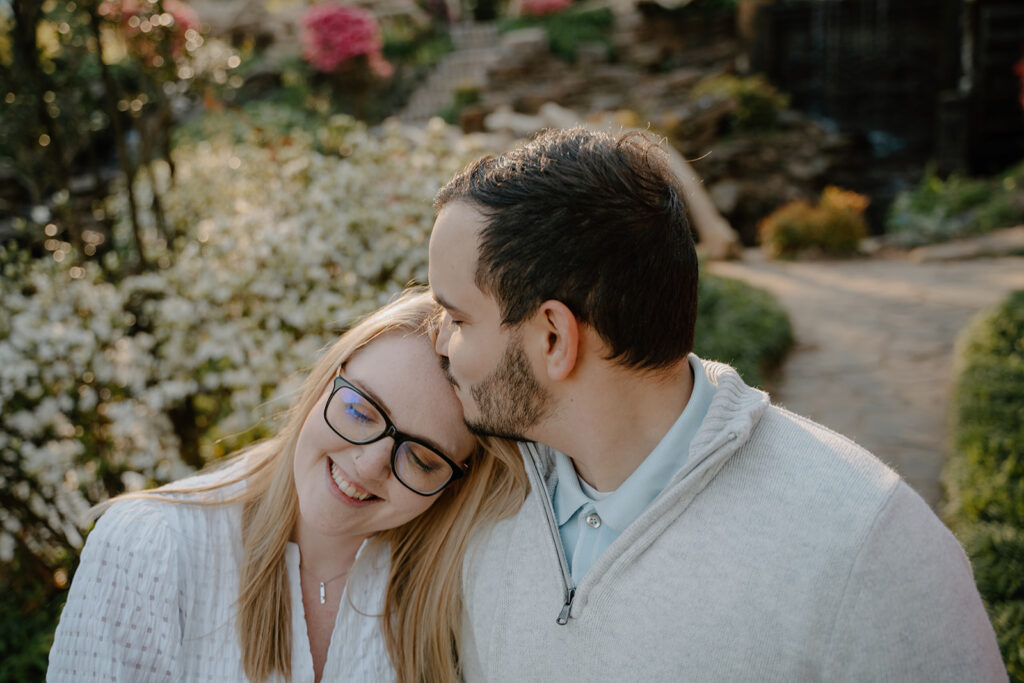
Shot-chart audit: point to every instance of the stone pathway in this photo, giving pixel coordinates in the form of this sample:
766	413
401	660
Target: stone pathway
874	347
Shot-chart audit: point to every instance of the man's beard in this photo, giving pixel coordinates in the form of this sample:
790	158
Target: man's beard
510	400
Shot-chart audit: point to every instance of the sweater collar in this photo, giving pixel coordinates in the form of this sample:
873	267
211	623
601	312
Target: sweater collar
735	410
621	506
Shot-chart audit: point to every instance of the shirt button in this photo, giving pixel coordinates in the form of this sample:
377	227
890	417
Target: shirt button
593	521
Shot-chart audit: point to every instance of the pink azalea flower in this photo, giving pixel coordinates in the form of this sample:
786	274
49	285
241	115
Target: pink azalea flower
333	34
537	8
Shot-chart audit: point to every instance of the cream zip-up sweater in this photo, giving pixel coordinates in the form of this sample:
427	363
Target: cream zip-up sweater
780	551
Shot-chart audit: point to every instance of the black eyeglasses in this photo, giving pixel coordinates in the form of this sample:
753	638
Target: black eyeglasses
355	417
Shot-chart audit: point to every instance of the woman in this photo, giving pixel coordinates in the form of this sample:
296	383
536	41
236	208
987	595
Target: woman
280	565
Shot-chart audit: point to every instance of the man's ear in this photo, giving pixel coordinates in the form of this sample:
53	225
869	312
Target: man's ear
561	338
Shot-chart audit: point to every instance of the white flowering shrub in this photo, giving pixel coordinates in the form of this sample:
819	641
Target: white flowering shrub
284	238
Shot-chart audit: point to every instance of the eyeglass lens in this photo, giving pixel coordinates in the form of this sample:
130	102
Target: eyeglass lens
358	420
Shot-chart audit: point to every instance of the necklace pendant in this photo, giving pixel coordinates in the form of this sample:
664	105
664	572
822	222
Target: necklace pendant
323	593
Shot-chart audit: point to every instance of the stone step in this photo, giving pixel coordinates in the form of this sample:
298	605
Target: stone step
475	51
467	36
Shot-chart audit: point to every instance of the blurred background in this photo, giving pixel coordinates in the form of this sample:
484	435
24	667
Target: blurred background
196	196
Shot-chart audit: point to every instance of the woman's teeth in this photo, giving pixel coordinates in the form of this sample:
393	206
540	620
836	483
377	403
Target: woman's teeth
347	487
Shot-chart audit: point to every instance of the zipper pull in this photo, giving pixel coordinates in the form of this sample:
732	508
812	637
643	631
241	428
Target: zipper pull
563	616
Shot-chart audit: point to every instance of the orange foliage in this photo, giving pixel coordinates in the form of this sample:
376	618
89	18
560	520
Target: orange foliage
833	227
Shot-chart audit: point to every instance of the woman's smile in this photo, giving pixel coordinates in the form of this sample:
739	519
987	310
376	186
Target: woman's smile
350	492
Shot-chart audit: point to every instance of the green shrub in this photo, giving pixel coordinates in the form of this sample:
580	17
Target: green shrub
984	476
741	325
407	43
938	210
30	609
570	29
757	102
463	97
834	227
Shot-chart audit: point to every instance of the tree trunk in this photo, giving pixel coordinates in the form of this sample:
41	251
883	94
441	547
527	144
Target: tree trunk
27	14
127	167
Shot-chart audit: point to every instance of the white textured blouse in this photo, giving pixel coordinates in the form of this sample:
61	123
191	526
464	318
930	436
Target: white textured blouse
154	599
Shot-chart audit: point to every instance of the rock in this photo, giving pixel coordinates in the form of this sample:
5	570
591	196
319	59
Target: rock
704	123
472	119
556	116
592	53
717	238
682	78
998	243
790	118
872	246
807	169
646	55
530	103
614	121
524	44
725	195
607	101
504	119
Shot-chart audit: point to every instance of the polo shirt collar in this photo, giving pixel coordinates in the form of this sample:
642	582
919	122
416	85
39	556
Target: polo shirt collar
569	496
626	503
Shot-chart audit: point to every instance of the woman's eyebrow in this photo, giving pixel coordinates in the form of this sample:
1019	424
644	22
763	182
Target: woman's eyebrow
380	402
374	397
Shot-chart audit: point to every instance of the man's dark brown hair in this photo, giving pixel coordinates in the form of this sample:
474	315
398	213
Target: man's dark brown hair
596	222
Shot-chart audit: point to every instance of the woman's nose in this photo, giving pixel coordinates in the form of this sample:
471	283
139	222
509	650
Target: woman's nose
373	461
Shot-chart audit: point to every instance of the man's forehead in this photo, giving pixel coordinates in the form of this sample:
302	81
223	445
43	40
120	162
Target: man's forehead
453	260
460	220
453	245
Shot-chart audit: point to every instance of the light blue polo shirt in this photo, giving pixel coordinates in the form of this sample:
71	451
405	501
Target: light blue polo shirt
588	520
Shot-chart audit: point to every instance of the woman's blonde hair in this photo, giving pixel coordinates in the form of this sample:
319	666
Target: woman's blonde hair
423	600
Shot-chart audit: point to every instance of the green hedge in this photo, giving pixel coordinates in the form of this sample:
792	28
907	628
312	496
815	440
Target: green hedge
984	476
29	610
741	325
938	209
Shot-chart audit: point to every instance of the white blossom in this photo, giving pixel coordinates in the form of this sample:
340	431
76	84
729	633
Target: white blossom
274	258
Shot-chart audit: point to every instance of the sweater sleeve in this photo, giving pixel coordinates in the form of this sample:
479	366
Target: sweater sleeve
123	617
910	609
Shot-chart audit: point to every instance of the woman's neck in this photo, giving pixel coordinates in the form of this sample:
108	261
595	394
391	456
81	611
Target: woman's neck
325	556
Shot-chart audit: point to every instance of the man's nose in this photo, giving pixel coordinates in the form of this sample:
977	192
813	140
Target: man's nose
444	334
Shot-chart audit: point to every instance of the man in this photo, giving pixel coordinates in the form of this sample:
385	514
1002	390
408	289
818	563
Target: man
679	526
